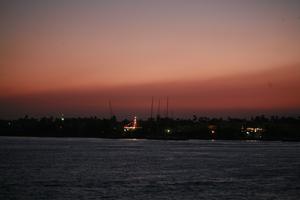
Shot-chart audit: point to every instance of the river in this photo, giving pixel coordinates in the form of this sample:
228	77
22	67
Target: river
78	168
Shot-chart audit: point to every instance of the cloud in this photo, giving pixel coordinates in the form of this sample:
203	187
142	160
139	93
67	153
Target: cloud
270	90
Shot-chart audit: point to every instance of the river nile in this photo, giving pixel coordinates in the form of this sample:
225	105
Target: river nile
74	168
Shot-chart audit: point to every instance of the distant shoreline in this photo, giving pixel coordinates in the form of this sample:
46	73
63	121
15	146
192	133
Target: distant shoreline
199	128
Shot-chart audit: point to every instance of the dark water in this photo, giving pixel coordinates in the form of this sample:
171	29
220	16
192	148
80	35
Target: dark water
35	168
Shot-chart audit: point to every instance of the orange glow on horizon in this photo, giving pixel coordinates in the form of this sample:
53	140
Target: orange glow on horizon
205	55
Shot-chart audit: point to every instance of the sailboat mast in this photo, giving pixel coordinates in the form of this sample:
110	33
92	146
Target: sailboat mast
167	113
110	109
158	108
151	114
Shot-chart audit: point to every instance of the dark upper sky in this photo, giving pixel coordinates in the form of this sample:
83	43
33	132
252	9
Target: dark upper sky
211	57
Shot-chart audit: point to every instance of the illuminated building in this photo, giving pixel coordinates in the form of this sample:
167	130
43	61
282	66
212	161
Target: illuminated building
252	132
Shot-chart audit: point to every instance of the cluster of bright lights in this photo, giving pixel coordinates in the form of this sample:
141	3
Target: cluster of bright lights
132	125
252	130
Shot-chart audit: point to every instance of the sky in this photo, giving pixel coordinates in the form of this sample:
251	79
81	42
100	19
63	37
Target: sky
209	57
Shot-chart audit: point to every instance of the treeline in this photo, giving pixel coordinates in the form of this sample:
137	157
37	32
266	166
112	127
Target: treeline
259	127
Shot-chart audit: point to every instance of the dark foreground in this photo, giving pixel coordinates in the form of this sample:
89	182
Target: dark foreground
258	128
65	168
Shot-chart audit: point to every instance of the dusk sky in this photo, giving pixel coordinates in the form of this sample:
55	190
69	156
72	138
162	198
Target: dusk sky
210	57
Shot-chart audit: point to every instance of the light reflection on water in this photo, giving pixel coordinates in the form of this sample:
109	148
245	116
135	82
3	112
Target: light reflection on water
72	168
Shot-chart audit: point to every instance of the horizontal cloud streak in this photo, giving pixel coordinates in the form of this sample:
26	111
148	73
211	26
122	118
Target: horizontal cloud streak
269	91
